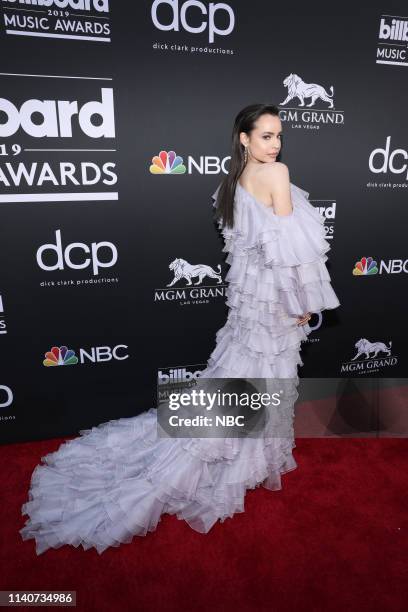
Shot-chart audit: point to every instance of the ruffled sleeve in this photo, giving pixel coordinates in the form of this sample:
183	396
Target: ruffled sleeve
288	252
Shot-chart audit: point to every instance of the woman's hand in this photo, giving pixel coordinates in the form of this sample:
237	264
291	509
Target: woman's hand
304	319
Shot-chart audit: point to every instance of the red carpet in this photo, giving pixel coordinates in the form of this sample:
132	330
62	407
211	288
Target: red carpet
334	538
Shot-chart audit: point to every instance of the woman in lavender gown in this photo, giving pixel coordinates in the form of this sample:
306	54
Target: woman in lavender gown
115	480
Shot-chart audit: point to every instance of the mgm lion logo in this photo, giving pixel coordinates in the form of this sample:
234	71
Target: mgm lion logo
183	269
366	347
299	89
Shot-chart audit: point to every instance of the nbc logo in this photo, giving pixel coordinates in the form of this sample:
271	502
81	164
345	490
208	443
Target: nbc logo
167	162
59	356
365	267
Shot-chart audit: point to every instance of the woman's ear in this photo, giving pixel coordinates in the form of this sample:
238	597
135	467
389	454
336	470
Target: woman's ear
243	138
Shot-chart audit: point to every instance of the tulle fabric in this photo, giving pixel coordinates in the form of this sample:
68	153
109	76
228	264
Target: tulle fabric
116	480
277	273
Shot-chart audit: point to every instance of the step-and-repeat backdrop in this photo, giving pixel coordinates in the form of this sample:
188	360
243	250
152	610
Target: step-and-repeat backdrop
115	124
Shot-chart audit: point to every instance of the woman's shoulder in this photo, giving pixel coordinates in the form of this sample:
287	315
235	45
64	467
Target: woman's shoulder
299	197
274	171
277	165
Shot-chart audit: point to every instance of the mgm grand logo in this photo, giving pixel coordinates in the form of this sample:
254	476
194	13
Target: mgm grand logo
191	284
309	103
370	357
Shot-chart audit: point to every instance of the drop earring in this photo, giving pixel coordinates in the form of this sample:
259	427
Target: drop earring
245	155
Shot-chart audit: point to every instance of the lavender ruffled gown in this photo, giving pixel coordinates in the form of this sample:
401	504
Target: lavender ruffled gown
115	480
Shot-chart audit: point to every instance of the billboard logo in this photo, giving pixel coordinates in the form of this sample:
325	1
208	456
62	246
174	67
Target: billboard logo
397	29
56	117
180	378
101	6
57	19
393	30
177	375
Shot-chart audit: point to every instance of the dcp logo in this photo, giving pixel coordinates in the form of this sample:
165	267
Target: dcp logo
6	396
64	255
180	17
389	160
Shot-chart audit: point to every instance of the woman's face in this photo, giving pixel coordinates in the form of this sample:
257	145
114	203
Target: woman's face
264	141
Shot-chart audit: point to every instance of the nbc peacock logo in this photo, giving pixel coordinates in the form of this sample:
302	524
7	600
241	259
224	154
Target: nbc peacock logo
365	267
60	355
167	162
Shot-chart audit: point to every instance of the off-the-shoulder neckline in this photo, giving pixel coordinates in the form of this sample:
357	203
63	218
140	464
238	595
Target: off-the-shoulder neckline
266	206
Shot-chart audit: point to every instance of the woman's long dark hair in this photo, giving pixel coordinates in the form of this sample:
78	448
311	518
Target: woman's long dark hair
244	122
